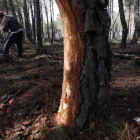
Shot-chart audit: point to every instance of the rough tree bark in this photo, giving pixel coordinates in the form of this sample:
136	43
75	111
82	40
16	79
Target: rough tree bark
87	62
124	25
136	22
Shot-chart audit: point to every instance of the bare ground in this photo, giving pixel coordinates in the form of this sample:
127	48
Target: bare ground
30	91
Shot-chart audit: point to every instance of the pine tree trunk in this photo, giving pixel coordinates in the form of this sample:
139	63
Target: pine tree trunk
38	23
19	13
136	22
27	23
51	18
87	63
12	8
33	20
46	11
124	25
41	17
112	18
129	17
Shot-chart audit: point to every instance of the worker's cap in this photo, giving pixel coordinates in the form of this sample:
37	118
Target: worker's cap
2	14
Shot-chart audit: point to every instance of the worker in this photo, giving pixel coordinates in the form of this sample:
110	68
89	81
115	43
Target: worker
15	33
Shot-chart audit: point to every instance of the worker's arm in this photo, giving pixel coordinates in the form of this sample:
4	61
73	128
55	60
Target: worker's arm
5	27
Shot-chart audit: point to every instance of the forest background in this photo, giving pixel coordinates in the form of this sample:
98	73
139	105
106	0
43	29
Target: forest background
31	87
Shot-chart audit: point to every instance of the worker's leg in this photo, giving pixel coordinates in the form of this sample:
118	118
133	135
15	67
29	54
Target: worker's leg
9	41
19	43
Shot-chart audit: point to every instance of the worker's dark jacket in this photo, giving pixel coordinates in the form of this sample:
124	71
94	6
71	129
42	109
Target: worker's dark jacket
15	35
10	24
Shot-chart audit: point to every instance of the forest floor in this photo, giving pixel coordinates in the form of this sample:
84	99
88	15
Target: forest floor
30	92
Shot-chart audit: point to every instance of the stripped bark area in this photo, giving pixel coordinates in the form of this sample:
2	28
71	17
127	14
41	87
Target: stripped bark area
73	59
87	62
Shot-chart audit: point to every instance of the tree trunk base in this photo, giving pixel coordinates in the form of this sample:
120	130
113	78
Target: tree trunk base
41	51
57	133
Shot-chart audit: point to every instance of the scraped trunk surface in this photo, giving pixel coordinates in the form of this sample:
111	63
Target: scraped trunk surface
87	62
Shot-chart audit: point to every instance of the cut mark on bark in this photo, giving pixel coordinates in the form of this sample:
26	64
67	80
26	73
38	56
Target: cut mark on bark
65	106
68	91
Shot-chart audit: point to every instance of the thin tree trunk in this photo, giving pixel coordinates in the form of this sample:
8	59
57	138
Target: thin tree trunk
51	16
38	23
136	22
112	18
110	15
33	20
19	13
12	8
27	23
87	63
53	21
124	25
129	16
46	10
41	16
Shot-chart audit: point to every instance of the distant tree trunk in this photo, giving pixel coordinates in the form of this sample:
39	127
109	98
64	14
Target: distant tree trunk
53	20
112	21
129	17
51	16
41	16
87	63
46	10
110	16
124	25
27	23
12	8
38	23
136	22
19	14
6	6
33	19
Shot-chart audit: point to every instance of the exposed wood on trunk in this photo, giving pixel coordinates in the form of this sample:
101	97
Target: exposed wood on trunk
73	59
